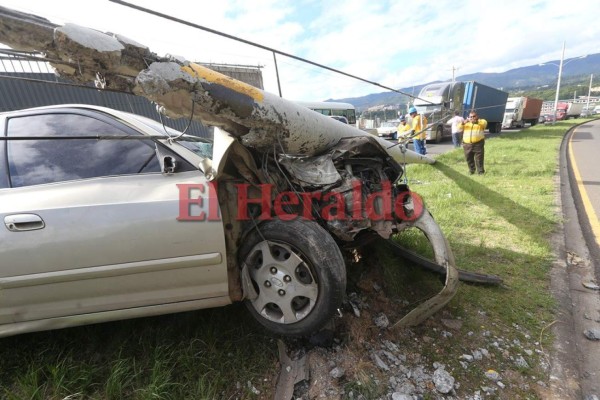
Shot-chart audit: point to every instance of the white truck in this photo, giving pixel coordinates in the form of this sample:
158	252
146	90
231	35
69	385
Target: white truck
574	109
521	110
438	101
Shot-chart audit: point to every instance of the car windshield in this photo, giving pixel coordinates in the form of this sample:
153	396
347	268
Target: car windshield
199	145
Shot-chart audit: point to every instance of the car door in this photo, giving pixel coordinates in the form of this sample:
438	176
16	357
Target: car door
91	225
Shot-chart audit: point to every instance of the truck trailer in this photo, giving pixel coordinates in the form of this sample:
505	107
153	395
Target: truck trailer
521	110
438	101
574	109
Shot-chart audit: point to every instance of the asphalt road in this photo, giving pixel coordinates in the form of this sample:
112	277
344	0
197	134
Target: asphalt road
584	152
574	276
446	144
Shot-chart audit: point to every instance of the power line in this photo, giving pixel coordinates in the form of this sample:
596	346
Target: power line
260	46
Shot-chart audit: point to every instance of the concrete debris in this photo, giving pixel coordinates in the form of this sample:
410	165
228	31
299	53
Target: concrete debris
292	372
443	381
521	363
381	321
337	372
592	334
401	396
379	362
591	285
574	259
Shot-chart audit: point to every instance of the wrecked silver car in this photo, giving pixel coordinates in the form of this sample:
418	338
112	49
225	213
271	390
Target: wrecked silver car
131	219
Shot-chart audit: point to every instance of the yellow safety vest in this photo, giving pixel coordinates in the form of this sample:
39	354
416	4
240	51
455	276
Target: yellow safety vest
419	123
473	133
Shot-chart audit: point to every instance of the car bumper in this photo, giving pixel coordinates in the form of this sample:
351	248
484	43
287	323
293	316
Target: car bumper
387	135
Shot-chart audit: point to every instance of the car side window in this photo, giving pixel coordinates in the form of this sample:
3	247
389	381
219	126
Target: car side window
38	161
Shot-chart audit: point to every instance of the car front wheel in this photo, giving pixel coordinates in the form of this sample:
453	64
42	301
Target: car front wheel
298	274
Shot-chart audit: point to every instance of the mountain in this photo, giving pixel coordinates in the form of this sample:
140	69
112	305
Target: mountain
515	80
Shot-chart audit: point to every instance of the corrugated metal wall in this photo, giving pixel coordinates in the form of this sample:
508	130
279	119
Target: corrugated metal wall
20	90
41	89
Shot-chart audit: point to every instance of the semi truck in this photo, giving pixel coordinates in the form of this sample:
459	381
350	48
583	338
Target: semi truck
439	101
564	110
521	110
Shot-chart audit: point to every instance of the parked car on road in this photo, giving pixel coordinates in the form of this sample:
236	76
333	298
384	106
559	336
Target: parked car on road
547	119
388	130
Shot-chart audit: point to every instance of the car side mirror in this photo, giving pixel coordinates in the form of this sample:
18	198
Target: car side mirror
168	165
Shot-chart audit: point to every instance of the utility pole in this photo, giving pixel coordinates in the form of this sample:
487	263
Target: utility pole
560	67
454	69
589	94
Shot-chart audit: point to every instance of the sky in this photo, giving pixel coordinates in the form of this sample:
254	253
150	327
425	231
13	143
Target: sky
397	44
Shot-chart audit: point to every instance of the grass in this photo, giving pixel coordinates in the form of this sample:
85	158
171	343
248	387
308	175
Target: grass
499	223
209	354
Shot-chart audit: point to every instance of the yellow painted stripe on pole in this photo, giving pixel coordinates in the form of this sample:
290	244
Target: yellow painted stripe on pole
209	75
587	204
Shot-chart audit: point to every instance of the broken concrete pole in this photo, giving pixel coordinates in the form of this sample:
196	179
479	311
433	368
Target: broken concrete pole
261	120
25	32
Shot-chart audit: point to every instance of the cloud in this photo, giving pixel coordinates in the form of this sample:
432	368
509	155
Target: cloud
397	44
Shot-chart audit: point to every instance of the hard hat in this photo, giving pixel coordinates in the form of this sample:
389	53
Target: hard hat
402	118
412	110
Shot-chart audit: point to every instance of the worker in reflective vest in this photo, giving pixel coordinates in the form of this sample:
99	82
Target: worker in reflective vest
418	126
474	143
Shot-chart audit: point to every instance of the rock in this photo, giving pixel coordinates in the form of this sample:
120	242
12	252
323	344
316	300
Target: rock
467	357
379	362
382	321
393	359
492	375
355	309
477	355
592	334
391	346
453	324
401	396
337	372
443	381
252	388
590	285
521	363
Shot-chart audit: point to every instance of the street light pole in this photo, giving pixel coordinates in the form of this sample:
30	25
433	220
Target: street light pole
562	57
587	107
